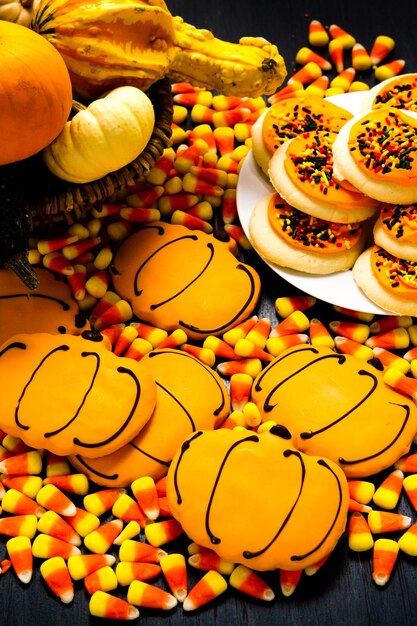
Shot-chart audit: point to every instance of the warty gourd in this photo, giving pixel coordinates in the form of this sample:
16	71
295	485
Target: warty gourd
110	43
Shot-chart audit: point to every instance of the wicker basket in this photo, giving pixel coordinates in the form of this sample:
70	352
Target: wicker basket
55	200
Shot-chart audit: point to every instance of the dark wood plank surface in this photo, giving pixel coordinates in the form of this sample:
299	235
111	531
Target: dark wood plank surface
342	592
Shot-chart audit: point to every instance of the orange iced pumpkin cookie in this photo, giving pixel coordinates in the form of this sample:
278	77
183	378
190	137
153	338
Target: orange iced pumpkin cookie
376	152
69	394
284	120
50	308
291	238
396	230
174	277
190	396
387	280
303	173
225	487
333	405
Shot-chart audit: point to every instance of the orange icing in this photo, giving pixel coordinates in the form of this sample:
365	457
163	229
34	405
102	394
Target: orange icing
226	488
401	93
48	309
70	395
396	275
309	164
383	144
400	221
189	395
205	296
310	233
287	119
333	405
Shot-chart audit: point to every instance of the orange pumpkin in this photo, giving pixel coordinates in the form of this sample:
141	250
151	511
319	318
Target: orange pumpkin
35	92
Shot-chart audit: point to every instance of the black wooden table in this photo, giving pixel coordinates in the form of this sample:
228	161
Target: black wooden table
342	592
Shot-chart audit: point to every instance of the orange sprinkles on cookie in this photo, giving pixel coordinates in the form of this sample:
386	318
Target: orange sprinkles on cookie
287	119
383	145
304	231
395	274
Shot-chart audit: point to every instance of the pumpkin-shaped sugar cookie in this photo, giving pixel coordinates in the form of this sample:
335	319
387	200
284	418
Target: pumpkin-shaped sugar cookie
190	396
48	309
69	394
255	499
337	406
174	277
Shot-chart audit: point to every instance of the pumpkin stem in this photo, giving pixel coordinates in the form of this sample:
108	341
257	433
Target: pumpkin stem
77	106
14	223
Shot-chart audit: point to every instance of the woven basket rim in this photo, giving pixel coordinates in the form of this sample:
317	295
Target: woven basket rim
71	198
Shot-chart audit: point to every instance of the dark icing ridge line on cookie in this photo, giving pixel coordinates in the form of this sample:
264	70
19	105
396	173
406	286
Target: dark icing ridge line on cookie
65	305
226	325
138	292
406	408
94	471
159	353
185	446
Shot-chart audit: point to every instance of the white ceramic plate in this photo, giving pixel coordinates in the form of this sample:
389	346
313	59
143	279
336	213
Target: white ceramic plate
339	288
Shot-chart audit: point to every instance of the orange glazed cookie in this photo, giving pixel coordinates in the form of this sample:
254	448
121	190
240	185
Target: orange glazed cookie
333	405
396	230
376	152
48	309
398	91
190	396
174	277
257	500
387	280
303	173
71	395
291	238
284	120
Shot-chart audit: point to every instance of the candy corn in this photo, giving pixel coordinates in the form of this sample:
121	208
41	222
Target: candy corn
361	61
361	490
175	572
309	72
53	499
348	346
344	79
284	306
145	493
384	559
82	565
295	322
211	586
410	488
160	533
404	384
288	581
20	553
305	55
132	529
52	524
72	483
126	572
395	339
22	464
381	47
104	579
46	546
103	604
250	583
359	535
408	541
141	593
389	359
19	525
83	522
317	34
29	485
384	522
16	502
336	52
388	493
126	509
319	335
407	464
276	345
55	574
101	539
208	560
131	551
389	70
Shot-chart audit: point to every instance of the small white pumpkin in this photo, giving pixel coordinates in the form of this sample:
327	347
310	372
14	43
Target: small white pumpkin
103	137
18	11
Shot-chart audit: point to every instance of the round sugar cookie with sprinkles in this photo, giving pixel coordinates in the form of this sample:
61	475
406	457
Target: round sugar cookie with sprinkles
399	91
174	277
50	308
334	405
376	152
190	396
387	280
396	230
303	173
71	395
284	120
290	238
